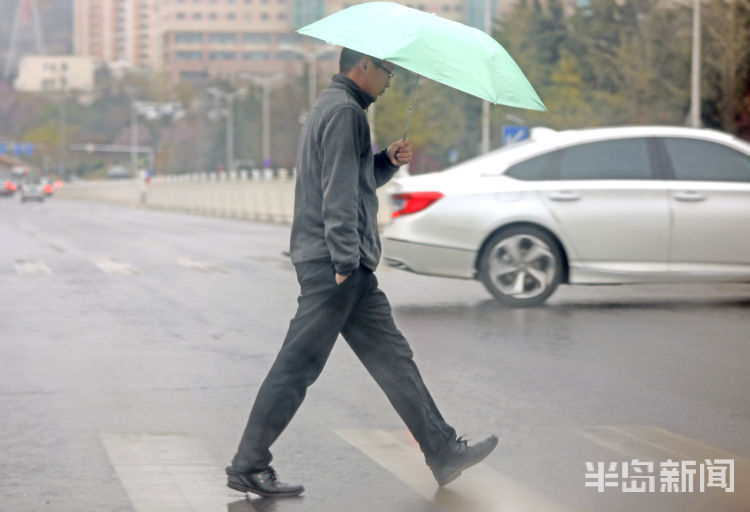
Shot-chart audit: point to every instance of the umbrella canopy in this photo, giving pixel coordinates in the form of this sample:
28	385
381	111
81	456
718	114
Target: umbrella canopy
443	50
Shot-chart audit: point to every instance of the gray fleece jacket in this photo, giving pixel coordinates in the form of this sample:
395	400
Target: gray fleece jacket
335	206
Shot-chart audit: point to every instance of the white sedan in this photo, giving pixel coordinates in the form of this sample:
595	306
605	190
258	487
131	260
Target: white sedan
597	206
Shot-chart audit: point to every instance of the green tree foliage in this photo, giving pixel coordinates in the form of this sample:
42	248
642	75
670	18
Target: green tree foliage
628	61
438	122
726	29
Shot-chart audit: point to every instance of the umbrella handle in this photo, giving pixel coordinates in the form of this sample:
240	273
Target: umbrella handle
411	108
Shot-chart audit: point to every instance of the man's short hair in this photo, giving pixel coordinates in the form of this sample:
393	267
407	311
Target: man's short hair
349	59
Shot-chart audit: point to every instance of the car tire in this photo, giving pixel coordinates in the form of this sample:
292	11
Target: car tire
521	266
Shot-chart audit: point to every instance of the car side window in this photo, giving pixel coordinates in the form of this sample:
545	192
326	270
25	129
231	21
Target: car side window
623	159
533	169
700	160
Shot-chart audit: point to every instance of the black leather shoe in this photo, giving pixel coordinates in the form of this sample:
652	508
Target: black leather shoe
457	456
264	483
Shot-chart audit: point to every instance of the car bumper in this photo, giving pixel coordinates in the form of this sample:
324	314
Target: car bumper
429	259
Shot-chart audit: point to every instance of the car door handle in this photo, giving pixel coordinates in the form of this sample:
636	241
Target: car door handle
564	195
689	196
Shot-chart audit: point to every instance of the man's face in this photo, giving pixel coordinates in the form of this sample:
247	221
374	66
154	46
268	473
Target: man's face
378	77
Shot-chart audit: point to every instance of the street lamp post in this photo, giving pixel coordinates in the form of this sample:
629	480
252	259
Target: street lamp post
695	74
485	103
312	57
265	81
61	134
133	132
229	97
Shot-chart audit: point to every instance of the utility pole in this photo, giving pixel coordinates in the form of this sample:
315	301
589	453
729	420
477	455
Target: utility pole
485	148
695	75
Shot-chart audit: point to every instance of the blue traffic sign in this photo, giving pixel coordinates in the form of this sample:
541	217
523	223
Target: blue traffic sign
514	133
3	148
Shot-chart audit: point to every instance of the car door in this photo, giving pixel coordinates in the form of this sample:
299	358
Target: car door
709	201
611	206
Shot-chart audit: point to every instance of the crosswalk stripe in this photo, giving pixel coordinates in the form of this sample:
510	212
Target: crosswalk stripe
480	489
32	268
655	444
114	267
168	472
199	266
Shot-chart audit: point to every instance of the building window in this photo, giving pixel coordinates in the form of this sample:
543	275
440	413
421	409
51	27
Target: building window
284	55
255	55
264	16
197	16
222	38
183	55
248	17
230	16
213	16
222	56
188	38
180	15
256	39
289	39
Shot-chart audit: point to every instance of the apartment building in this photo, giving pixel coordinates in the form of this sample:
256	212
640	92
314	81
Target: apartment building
200	40
118	32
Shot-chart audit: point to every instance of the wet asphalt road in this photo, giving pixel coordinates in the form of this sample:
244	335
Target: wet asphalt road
132	343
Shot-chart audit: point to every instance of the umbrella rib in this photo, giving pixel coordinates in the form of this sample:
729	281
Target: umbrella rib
411	108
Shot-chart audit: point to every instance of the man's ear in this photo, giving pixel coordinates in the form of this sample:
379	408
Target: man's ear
363	63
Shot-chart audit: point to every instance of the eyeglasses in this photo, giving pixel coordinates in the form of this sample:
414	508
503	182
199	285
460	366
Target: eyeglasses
387	71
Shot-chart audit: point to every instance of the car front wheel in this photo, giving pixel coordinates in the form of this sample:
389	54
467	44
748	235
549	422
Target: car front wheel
521	266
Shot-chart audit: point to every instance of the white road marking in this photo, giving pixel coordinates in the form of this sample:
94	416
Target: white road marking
32	268
199	266
168	472
479	489
114	267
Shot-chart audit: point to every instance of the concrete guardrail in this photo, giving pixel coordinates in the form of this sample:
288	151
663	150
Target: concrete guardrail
256	195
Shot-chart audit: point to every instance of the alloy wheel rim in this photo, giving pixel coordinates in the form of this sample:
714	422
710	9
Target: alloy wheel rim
521	266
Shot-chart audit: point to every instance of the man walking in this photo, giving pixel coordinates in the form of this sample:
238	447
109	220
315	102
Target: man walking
335	248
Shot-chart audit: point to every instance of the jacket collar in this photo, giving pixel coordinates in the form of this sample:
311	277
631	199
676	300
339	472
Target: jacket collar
344	82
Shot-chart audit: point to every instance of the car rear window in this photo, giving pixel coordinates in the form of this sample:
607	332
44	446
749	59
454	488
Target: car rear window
622	159
533	169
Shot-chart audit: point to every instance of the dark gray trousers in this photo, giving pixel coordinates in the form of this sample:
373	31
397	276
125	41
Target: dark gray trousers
359	311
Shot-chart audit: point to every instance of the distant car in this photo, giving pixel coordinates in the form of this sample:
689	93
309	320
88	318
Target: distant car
8	188
611	205
32	190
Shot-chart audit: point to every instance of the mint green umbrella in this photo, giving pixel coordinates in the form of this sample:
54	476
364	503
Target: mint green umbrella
443	50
